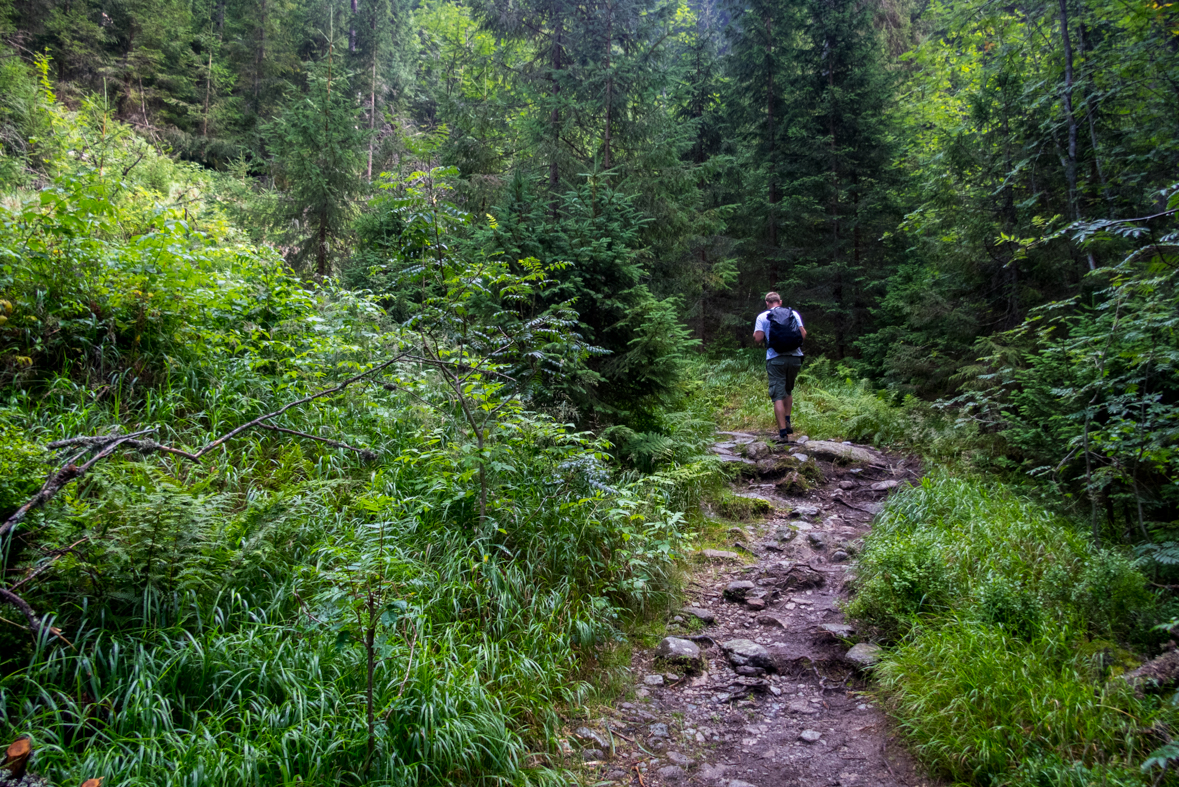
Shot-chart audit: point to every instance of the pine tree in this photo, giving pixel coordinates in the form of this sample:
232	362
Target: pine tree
317	143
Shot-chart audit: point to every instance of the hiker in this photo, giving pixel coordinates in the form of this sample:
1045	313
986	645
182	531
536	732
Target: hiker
782	330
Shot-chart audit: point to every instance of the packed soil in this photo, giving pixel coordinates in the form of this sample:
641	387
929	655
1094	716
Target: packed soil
794	712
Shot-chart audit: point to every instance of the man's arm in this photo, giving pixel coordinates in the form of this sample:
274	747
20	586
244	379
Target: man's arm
759	337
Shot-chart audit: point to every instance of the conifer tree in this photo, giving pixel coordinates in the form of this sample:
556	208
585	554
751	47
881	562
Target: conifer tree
317	143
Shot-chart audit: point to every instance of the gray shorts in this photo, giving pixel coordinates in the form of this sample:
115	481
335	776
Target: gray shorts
782	371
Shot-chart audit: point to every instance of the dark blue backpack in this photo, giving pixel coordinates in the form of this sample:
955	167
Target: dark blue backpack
785	331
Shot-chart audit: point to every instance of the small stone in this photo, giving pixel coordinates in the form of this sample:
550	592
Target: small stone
712	773
805	511
736	591
802	440
785	534
641	692
750	672
702	615
719	554
593	754
802	708
671	773
658	730
657	744
838	556
884	486
755	604
616	775
585	734
769	620
816	539
847	486
810	736
739	783
679	759
653	680
678	619
678	651
800	457
864	655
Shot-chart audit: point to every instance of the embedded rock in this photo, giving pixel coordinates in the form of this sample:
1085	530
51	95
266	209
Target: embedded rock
679	651
817	540
841	453
884	486
810	736
586	735
745	652
702	615
671	773
738	590
719	554
864	655
653	680
757	450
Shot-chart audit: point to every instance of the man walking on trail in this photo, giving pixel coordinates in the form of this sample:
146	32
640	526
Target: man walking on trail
782	330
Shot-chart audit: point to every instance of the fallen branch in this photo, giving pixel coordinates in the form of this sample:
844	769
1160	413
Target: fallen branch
365	453
107	444
41	569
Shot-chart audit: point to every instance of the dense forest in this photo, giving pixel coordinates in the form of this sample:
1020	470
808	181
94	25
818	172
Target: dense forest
359	359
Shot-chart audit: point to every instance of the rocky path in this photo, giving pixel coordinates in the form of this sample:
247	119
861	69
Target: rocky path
757	686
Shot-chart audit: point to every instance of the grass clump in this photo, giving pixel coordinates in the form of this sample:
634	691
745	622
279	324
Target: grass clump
982	705
741	508
1006	623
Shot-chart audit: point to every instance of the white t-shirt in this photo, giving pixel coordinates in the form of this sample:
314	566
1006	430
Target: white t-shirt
763	325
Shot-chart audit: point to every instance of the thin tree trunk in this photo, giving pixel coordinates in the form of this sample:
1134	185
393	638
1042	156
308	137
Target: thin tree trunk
555	116
609	83
1089	115
259	57
771	133
208	92
352	28
1070	168
372	118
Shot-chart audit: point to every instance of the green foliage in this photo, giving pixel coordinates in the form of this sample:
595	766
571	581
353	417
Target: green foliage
22	468
981	705
214	608
1004	621
977	550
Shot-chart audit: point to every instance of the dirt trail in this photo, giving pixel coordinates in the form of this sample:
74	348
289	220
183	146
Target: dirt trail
788	712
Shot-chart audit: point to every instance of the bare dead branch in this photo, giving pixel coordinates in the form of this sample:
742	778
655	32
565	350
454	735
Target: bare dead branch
57	554
365	453
107	444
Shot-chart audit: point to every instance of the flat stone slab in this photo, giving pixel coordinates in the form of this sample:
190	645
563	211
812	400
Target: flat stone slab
804	511
738	459
739	437
719	554
884	486
702	615
838	629
842	453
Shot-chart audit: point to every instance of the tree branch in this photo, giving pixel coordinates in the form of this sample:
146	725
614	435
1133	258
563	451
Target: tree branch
365	453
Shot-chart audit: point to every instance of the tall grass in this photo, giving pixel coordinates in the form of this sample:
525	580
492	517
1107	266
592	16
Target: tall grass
1007	627
831	403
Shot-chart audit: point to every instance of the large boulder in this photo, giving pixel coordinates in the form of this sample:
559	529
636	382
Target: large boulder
681	652
841	453
747	653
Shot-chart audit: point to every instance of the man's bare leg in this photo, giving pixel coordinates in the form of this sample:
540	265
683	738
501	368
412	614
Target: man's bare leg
782	409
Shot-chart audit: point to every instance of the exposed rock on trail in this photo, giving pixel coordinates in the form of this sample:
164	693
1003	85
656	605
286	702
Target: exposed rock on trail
769	697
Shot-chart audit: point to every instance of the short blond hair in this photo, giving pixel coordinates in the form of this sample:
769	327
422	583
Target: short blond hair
773	297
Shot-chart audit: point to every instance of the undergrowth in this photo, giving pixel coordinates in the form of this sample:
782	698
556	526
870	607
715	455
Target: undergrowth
219	620
1008	629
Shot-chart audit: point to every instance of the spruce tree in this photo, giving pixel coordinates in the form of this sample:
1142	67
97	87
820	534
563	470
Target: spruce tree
317	143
